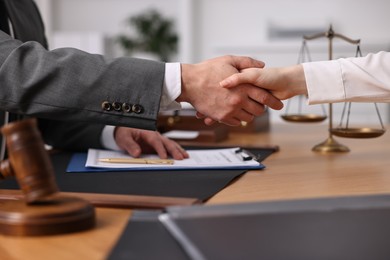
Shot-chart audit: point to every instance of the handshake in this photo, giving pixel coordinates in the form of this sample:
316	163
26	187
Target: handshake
238	88
232	89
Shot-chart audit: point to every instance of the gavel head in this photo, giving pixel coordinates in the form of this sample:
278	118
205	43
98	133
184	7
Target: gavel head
28	160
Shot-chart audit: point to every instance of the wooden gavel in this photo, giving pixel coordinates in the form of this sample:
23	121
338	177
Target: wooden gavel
28	160
44	211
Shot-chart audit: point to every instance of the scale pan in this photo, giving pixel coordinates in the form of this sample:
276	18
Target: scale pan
358	132
304	118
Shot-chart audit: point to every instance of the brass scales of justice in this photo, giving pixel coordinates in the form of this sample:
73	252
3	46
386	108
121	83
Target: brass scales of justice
330	145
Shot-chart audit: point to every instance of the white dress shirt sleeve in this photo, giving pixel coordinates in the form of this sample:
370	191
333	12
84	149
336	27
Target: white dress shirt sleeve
362	79
107	138
171	87
324	81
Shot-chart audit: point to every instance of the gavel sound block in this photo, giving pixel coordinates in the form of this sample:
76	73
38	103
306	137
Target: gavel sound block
43	211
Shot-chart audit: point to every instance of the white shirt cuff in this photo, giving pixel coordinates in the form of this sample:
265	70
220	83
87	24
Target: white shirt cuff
172	87
107	138
324	82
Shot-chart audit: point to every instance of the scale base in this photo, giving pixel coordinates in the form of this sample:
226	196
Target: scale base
330	146
56	215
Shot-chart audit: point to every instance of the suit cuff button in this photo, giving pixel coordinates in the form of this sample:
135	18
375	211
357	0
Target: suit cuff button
106	106
126	107
117	106
137	108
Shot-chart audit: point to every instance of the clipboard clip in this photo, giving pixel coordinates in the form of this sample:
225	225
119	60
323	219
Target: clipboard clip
246	155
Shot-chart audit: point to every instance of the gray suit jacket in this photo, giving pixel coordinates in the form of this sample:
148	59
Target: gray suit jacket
71	85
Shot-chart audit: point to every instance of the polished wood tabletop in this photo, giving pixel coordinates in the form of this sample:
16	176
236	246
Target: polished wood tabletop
293	172
297	172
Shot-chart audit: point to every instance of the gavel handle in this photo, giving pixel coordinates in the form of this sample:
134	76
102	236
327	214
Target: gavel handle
6	170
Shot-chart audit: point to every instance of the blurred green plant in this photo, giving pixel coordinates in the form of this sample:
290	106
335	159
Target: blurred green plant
154	34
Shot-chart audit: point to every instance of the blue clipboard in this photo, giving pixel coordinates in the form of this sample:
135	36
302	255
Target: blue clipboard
77	164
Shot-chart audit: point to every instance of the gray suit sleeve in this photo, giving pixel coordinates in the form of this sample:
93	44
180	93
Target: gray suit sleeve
69	84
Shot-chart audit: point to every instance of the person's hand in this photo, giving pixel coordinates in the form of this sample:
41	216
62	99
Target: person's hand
138	141
283	83
201	88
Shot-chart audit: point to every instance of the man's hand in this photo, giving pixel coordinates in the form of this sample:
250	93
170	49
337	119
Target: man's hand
137	141
201	88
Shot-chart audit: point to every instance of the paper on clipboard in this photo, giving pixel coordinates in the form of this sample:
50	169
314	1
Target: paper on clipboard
227	158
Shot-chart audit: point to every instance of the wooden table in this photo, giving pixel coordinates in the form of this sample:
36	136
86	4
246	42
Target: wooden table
297	172
293	172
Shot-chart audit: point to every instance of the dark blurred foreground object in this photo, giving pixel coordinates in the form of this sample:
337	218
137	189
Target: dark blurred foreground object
337	228
43	211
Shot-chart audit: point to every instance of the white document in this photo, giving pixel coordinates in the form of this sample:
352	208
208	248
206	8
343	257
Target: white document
226	158
181	134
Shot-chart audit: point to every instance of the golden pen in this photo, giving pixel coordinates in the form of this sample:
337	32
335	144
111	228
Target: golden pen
136	160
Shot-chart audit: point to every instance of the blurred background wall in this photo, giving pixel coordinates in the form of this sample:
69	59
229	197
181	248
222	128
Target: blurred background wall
268	30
